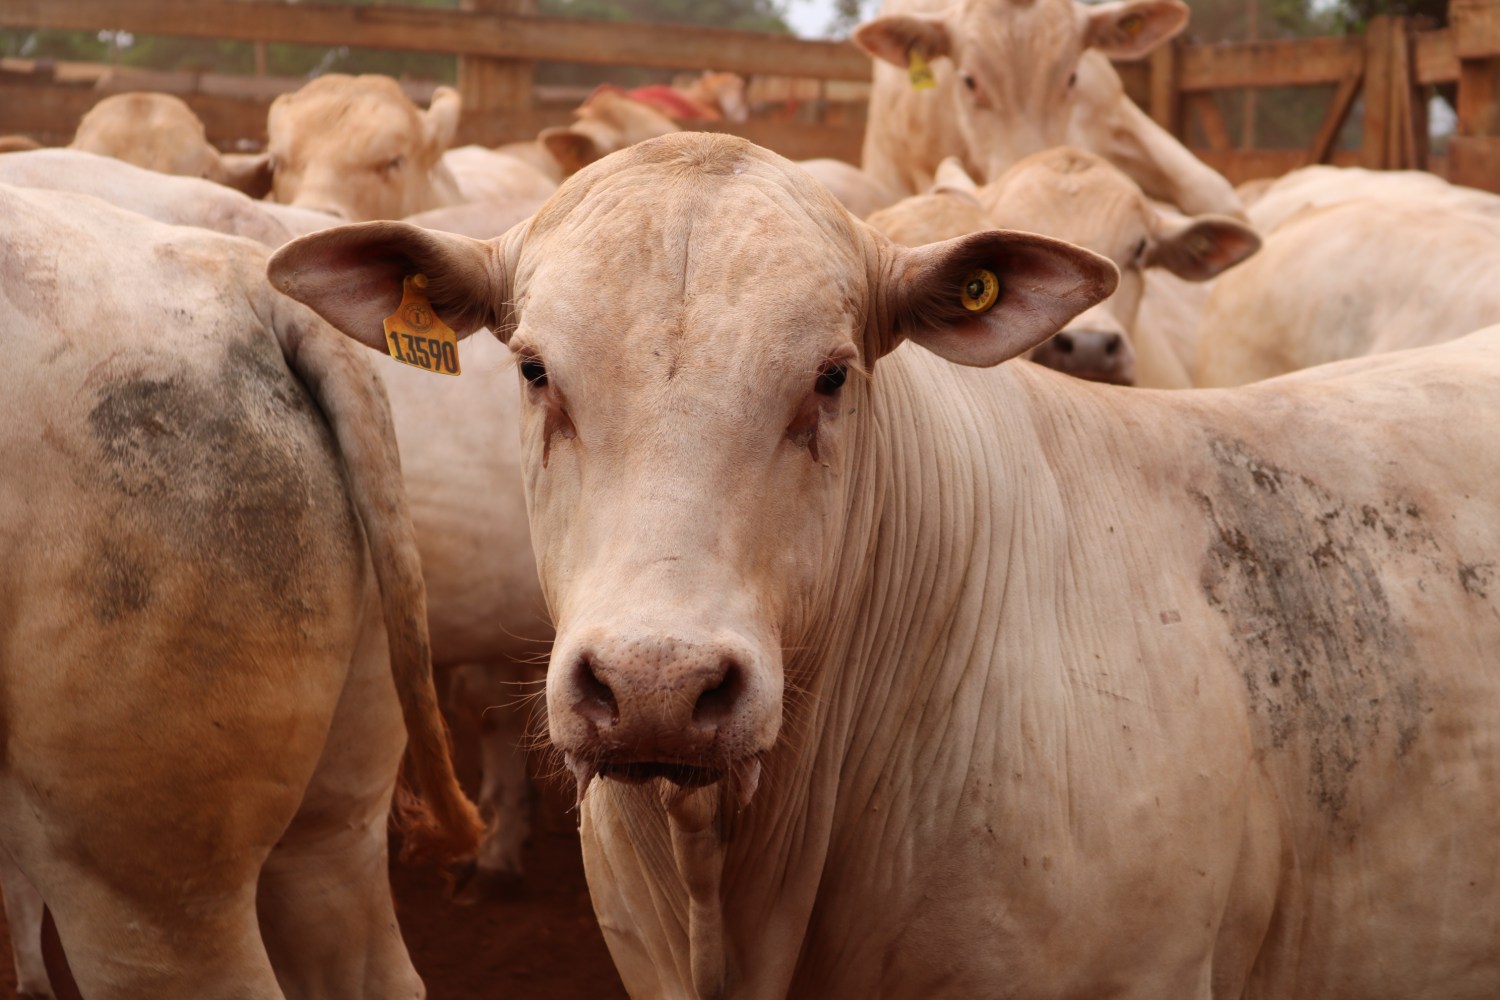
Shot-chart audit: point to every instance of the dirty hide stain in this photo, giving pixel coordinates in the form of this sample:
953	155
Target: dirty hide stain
221	470
1328	670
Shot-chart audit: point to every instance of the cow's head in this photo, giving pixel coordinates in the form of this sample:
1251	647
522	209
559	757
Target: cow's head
1076	196
357	147
1014	62
155	131
608	121
696	324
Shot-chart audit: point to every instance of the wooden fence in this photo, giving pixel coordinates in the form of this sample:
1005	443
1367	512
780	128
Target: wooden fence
1391	67
1385	73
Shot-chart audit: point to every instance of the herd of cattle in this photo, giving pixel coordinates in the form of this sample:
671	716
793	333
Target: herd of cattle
883	668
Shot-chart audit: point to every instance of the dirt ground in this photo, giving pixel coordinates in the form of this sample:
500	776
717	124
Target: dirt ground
541	945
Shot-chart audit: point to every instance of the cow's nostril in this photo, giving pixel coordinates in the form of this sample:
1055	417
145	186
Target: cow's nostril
1064	343
717	703
595	702
1112	344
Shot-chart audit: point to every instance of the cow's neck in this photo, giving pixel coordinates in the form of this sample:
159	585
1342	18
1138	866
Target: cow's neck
871	693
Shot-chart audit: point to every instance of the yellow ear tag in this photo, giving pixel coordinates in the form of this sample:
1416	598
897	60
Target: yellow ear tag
918	72
415	336
1133	25
981	289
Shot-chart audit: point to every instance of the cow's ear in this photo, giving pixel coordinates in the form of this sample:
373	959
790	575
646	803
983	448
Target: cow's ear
247	172
1201	248
1128	29
952	178
894	37
440	120
987	297
572	150
352	276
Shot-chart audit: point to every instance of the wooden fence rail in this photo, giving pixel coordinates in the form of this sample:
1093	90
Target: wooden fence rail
1383	73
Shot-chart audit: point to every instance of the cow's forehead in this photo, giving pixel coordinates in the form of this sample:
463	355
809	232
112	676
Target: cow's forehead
693	235
1073	196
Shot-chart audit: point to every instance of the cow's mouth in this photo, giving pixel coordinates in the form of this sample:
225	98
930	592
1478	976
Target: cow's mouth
739	777
684	775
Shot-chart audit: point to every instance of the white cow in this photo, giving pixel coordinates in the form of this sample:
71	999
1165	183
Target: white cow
1010	78
1351	279
883	676
201	726
485	621
1073	195
160	132
357	147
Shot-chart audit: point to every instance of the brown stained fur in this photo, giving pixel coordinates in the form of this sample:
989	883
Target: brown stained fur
443	825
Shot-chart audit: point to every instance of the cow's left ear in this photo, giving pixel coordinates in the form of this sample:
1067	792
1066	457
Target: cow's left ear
987	297
894	37
440	120
1201	248
572	150
352	276
1128	29
247	172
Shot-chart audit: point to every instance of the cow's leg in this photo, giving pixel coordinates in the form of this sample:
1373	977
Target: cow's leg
494	696
23	917
324	897
168	945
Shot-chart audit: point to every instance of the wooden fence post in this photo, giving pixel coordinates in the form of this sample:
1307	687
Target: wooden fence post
1166	96
493	86
1474	151
1392	103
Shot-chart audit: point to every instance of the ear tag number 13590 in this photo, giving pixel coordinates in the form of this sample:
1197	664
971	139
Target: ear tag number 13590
415	336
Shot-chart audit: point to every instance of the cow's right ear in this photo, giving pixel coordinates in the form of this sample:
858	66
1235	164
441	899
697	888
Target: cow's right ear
352	276
572	150
987	297
440	120
894	37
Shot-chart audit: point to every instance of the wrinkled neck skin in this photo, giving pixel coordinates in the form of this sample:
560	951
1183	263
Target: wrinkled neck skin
858	769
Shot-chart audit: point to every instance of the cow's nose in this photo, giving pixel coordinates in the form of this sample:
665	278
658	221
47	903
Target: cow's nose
656	698
1093	354
672	690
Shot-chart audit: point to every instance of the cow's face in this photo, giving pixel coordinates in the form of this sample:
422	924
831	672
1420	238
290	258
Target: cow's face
1075	196
1014	64
695	322
358	148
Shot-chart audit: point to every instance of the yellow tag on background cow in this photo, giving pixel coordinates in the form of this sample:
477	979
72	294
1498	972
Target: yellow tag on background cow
415	336
918	72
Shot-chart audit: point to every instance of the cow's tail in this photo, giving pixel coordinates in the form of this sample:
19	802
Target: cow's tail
442	824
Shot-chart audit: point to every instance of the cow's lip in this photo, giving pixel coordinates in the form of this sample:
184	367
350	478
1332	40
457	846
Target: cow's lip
636	772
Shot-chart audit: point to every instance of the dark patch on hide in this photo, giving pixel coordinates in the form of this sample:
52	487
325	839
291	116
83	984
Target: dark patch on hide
216	468
120	583
1475	577
1295	573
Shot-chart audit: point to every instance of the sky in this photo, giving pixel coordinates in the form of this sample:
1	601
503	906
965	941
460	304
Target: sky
809	18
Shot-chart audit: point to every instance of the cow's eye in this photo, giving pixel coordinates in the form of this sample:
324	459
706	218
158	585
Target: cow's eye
831	378
394	163
1140	250
534	372
1072	79
968	80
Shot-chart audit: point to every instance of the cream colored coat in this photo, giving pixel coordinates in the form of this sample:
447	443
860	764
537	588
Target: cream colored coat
1049	689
